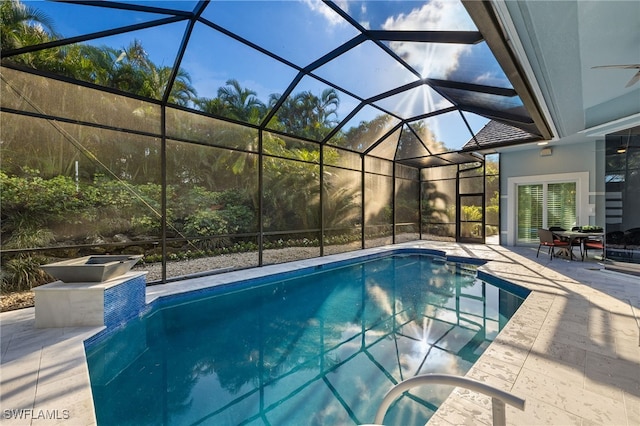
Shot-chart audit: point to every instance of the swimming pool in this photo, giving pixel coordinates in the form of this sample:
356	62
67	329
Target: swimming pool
320	348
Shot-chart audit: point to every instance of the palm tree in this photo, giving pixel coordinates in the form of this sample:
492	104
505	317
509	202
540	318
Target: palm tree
341	205
305	114
429	137
240	104
128	69
22	25
365	134
182	92
214	106
327	107
135	55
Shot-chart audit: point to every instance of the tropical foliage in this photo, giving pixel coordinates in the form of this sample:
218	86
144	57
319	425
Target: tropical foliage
85	185
68	184
22	25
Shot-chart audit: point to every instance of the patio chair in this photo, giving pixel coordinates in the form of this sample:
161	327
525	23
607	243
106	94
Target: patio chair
615	241
631	242
594	244
575	242
547	239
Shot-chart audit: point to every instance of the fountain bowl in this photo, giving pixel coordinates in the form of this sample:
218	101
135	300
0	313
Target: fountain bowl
97	268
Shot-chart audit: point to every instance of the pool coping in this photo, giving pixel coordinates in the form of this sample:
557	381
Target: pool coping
45	370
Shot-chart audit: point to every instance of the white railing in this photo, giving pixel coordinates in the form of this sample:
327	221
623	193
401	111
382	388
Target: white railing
498	397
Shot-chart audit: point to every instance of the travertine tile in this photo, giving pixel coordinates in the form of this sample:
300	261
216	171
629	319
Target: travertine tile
632	407
561	352
531	325
542	364
517	337
484	377
628	349
438	420
500	369
528	314
63	393
464	413
566	396
509	353
624	325
608	375
588	343
4	344
18	382
75	412
479	399
579	328
537	412
30	341
565	311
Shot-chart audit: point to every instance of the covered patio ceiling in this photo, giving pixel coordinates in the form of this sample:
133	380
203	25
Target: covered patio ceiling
582	58
407	81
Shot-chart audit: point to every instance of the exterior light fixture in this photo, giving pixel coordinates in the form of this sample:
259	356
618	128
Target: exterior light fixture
543	143
546	152
623	146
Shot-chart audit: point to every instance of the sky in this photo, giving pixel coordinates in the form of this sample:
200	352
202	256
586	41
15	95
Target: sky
300	32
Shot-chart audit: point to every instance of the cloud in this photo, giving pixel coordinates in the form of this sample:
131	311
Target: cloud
491	79
324	10
363	12
435	15
431	59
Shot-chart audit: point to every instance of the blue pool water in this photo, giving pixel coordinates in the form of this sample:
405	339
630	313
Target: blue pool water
320	349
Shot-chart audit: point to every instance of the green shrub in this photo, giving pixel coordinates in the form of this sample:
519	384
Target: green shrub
239	219
493	213
23	273
206	223
471	213
491	230
146	225
25	231
49	200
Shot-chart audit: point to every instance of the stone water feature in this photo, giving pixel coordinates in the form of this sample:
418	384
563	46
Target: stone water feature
98	290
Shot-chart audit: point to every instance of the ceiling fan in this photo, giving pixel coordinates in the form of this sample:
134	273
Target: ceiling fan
633	80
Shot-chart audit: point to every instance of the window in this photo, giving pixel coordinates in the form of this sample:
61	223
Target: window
544	206
545	201
622	200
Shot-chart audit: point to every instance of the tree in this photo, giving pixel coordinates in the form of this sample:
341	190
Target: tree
327	107
305	114
131	70
22	25
213	106
366	133
158	79
428	137
240	103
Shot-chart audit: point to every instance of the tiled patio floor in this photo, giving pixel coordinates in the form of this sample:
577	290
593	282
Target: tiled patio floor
572	350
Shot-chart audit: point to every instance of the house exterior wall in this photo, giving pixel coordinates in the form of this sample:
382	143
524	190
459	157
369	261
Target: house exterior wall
586	159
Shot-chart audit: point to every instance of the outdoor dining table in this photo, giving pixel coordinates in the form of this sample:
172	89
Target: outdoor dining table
571	236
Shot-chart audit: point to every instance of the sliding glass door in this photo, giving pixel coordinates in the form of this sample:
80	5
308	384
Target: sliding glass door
530	202
561	205
543	205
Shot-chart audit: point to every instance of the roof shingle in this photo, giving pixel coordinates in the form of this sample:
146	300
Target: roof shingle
495	134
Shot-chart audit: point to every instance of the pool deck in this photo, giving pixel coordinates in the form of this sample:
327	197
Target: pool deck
572	350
